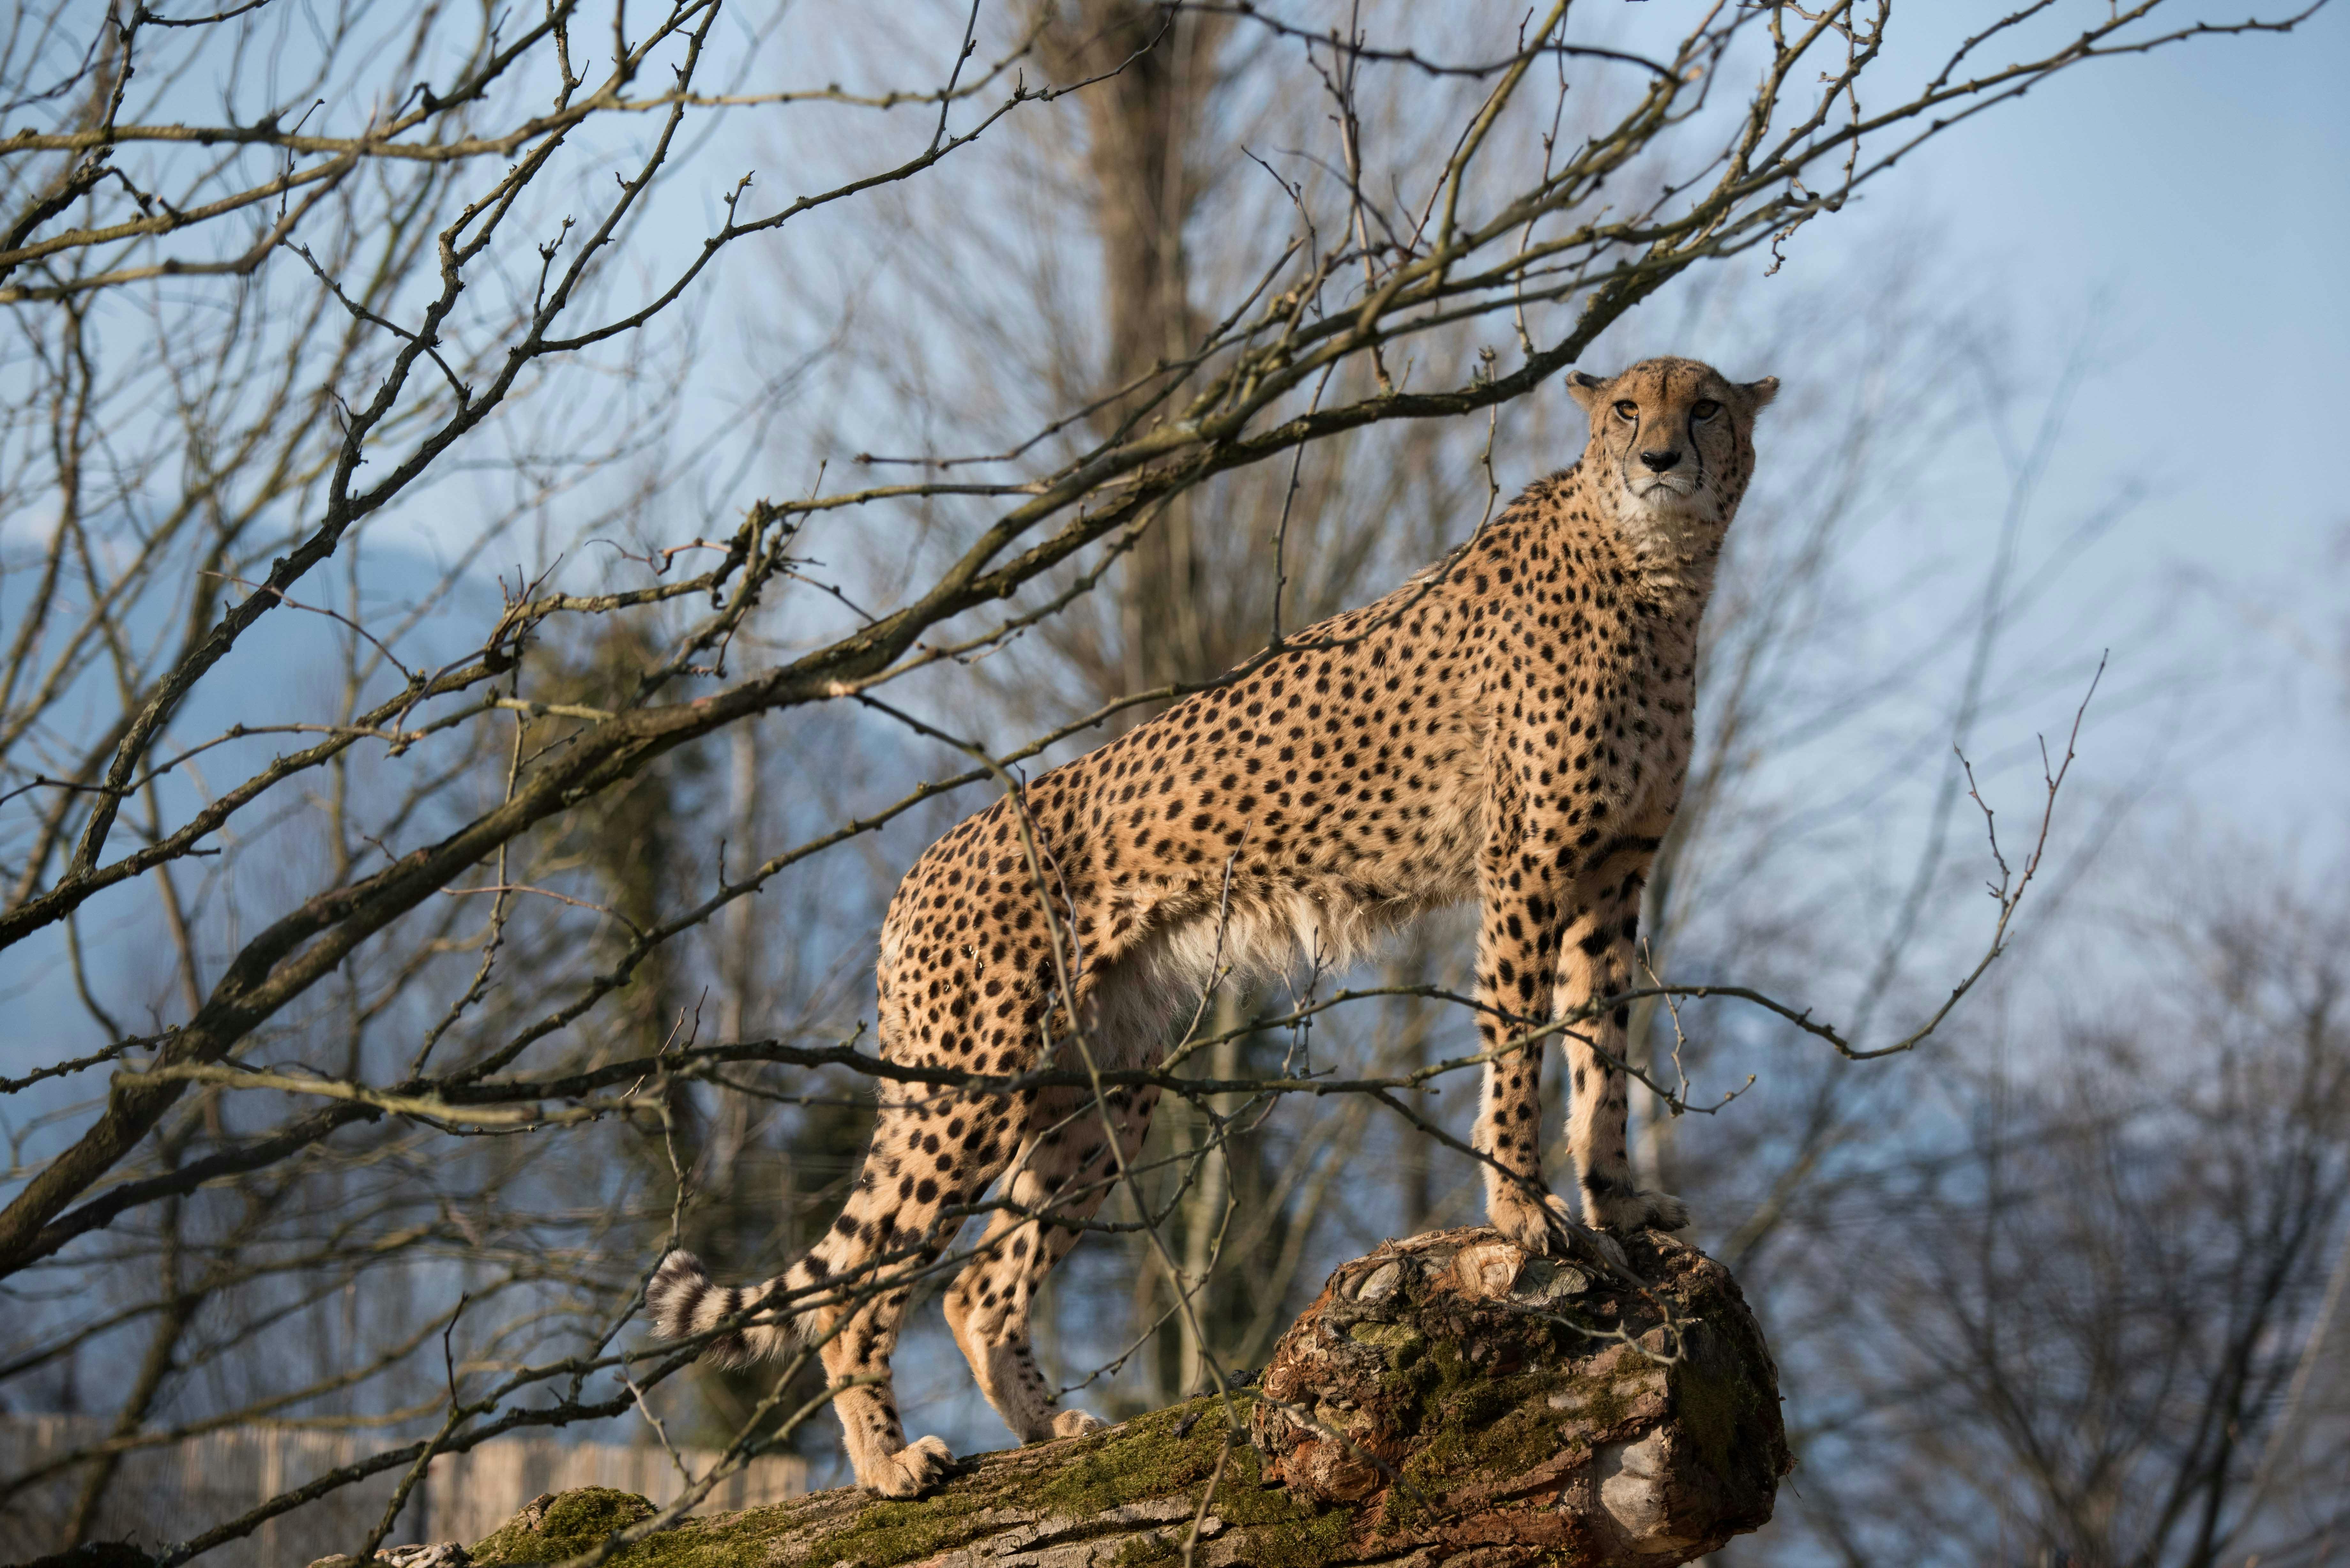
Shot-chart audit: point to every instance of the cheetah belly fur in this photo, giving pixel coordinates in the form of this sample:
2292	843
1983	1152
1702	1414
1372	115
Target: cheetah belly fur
1513	725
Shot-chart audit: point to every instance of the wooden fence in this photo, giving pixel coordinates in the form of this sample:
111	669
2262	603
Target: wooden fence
173	1491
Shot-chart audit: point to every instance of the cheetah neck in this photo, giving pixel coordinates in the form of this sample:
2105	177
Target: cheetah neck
1671	555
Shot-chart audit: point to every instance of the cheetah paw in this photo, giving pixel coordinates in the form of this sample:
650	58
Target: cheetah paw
1076	1424
1530	1224
1666	1212
911	1471
1642	1211
1568	1238
1550	1228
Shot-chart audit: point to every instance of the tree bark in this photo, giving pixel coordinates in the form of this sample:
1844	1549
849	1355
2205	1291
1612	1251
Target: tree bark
1448	1400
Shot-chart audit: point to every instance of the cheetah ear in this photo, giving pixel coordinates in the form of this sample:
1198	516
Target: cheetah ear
1585	390
1760	393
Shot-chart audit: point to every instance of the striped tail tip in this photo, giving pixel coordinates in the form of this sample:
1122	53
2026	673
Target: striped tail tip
681	1303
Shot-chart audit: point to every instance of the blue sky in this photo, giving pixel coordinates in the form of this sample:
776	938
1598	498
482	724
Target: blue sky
2202	193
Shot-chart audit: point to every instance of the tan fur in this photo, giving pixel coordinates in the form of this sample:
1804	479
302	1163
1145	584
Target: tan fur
1512	724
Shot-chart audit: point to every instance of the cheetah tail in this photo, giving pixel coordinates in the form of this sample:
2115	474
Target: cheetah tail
682	1302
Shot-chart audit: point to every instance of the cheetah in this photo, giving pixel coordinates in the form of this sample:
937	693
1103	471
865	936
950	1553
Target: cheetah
1514	724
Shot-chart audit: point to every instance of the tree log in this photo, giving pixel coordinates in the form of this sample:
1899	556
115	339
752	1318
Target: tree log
1448	1400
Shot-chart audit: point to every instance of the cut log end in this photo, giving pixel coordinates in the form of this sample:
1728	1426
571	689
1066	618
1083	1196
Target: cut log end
1448	1400
1458	1393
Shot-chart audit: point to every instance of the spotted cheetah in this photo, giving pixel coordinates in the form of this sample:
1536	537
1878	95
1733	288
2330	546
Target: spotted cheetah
1514	724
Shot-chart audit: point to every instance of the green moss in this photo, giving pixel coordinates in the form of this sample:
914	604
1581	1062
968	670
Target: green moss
887	1532
1306	1541
1596	1400
1145	1458
1721	1411
1470	1423
1242	1498
1404	1344
1280	1534
1142	1458
1153	1551
1468	1420
1168	1453
1148	1457
1386	1333
572	1524
1284	1534
1490	1431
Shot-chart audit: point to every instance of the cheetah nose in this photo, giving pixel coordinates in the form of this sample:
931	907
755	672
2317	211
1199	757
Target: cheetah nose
1658	462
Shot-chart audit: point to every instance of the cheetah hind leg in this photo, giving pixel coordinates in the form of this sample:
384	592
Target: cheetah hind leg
682	1301
987	1312
886	1464
1060	1177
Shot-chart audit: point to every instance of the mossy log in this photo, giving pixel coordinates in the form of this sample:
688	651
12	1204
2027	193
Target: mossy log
1447	1400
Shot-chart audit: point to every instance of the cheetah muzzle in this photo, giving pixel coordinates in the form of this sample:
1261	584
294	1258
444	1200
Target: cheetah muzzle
1512	725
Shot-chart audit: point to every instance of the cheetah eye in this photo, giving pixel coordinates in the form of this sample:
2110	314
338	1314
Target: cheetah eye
1629	409
1706	409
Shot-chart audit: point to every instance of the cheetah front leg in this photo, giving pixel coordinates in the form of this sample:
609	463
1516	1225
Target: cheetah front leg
1517	956
1596	963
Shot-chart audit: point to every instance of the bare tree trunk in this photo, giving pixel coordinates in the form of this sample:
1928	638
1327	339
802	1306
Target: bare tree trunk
1142	128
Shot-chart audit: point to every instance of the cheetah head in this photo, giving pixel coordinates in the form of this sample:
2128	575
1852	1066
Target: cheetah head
1672	442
